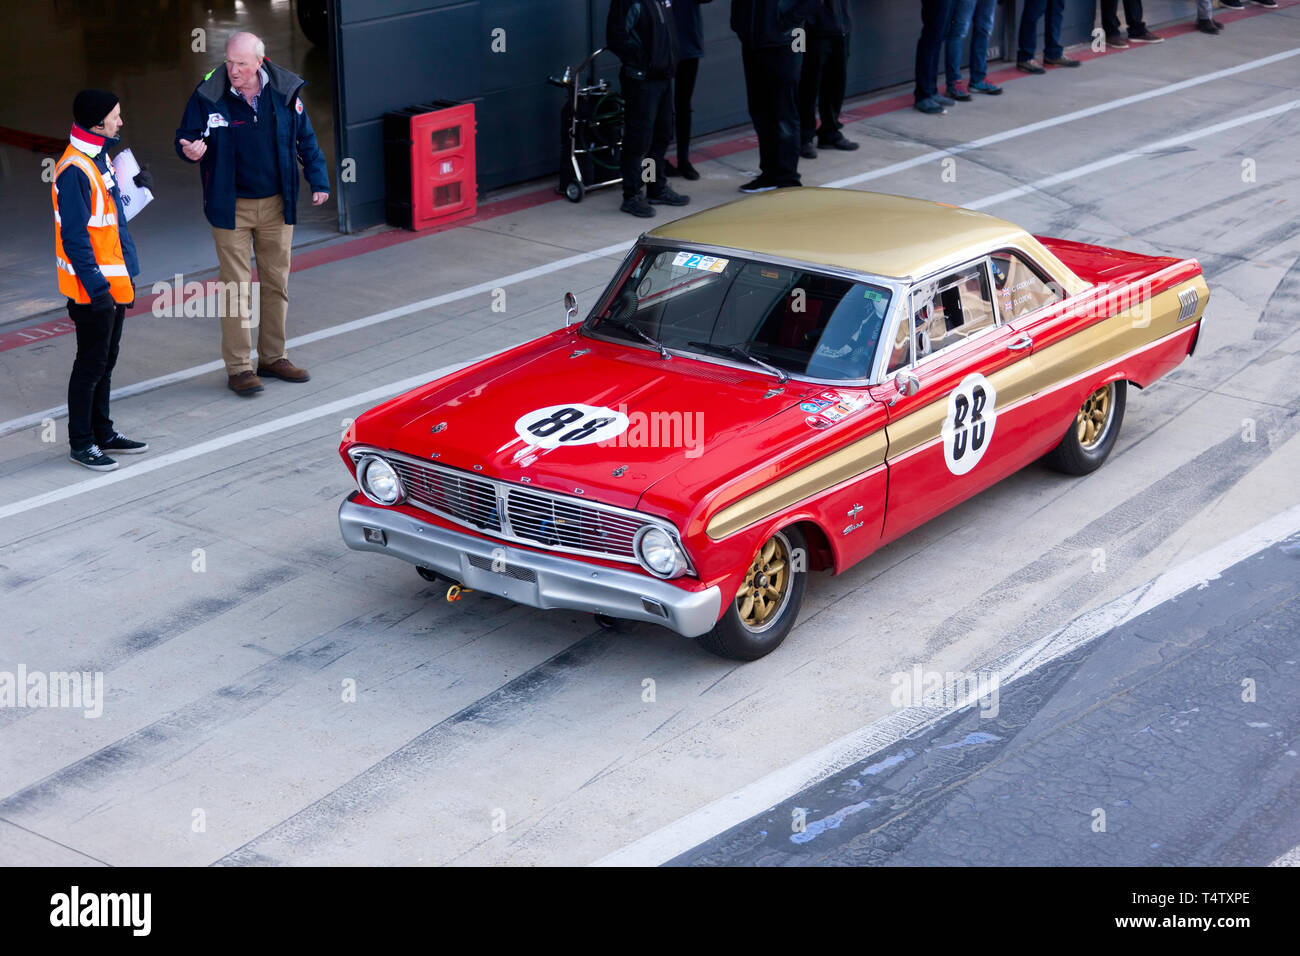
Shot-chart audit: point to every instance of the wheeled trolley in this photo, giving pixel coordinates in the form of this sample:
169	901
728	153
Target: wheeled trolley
591	132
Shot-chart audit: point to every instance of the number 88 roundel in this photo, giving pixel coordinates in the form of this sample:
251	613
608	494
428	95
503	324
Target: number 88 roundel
556	426
968	428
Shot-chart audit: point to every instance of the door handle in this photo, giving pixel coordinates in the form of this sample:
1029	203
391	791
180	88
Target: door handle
1023	342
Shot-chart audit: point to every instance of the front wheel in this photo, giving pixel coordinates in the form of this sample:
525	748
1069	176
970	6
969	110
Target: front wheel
1092	435
767	603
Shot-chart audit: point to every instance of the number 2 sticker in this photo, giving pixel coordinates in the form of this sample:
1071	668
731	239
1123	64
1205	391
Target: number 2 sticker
558	425
968	429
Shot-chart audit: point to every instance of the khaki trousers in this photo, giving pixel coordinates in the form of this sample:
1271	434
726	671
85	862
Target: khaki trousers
259	224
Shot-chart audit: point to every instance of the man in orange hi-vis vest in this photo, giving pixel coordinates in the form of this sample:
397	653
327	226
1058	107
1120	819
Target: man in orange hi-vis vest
95	259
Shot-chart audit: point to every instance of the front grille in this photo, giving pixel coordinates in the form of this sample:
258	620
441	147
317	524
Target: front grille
557	522
514	513
468	499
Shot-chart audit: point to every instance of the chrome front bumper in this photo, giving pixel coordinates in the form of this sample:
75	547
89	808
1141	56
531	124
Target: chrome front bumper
528	577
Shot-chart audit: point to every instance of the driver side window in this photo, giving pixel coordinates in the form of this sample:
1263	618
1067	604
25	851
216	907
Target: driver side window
948	311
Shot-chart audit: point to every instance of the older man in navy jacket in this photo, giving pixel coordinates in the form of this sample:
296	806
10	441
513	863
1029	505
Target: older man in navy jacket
247	129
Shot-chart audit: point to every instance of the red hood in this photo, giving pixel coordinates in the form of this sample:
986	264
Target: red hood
678	409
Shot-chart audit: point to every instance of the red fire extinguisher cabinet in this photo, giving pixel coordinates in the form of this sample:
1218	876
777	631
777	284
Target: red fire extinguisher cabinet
429	166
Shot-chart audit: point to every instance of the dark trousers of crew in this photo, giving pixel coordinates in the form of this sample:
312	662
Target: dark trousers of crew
1028	38
935	15
1132	16
821	87
98	337
683	90
772	89
647	131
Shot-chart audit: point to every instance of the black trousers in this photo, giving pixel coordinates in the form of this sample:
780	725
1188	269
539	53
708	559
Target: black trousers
683	90
825	71
92	374
772	89
935	15
647	131
1132	16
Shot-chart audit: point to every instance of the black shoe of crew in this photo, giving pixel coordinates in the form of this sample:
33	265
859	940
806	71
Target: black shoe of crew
668	197
808	151
122	445
839	142
637	206
91	457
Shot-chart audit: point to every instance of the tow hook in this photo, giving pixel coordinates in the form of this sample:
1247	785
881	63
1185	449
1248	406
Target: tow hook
455	591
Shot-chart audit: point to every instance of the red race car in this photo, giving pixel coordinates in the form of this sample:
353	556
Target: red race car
774	386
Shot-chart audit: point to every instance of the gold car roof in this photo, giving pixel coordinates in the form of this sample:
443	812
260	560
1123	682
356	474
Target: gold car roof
875	233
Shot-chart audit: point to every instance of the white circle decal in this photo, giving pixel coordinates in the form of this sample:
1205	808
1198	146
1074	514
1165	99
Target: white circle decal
573	424
968	429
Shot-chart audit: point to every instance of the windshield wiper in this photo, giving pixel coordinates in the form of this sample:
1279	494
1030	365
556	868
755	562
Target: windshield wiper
744	353
663	351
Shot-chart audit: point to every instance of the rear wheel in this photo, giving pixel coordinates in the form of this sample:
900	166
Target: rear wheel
767	603
1093	433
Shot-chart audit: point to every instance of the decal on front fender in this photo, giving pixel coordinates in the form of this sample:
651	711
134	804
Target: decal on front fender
968	429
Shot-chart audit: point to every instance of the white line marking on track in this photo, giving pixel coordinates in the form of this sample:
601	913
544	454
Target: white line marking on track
149	385
225	441
1115	160
27	421
1029	128
707	822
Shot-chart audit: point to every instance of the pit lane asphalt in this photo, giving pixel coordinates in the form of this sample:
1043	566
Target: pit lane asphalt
225	736
1146	747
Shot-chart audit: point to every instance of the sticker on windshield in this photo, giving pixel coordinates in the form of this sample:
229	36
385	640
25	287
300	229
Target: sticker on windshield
968	429
691	260
556	426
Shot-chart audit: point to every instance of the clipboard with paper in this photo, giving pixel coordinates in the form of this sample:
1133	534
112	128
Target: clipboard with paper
134	198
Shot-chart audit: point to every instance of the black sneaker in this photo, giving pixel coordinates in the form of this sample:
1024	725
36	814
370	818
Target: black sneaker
669	197
758	185
1233	4
1064	60
686	170
91	457
1117	41
808	151
1207	26
1146	36
1264	3
839	142
637	206
124	446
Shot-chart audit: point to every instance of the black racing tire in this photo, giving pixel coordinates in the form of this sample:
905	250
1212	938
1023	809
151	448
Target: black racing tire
313	19
1091	437
739	635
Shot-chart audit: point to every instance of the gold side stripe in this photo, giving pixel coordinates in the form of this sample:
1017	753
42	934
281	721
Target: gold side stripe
850	461
1087	349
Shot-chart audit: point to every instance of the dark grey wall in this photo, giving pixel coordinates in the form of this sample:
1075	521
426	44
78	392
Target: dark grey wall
388	54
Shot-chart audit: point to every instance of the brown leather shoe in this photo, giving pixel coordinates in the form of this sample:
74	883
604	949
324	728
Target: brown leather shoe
244	383
284	369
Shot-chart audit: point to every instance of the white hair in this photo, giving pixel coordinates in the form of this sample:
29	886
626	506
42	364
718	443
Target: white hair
259	48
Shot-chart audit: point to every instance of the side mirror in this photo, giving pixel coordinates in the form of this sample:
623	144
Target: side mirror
570	307
907	384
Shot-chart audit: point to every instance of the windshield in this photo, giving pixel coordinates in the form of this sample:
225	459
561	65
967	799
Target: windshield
802	322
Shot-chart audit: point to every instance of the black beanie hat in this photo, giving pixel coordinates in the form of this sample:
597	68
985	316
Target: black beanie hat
91	106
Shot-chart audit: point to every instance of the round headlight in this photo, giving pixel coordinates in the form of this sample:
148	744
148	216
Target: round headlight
378	480
659	552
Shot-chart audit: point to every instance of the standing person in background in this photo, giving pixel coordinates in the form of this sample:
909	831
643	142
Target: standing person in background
935	16
975	16
96	260
246	127
824	75
1053	52
1137	30
772	67
690	47
643	34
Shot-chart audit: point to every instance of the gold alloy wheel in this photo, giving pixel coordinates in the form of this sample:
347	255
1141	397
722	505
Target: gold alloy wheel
1093	421
767	584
